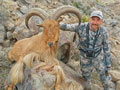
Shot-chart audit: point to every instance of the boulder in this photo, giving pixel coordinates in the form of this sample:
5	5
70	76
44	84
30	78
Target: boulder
115	75
43	80
118	85
2	33
96	87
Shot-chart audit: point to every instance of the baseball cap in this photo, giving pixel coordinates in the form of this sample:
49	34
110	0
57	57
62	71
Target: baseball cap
97	13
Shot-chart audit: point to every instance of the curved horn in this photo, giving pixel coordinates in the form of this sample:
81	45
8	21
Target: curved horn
35	12
66	9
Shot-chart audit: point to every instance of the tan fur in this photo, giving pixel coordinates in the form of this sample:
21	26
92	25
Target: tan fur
16	73
60	76
29	59
37	48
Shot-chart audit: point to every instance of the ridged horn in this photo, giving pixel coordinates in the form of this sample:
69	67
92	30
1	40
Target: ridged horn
35	12
66	9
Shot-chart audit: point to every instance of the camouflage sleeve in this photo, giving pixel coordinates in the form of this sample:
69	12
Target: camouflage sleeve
106	49
69	27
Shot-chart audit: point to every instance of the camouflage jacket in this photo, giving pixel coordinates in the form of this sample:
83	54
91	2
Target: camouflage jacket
101	42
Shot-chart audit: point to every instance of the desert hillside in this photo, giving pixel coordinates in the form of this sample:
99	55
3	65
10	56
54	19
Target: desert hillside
12	29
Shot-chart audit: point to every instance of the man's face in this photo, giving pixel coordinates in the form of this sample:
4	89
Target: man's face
95	23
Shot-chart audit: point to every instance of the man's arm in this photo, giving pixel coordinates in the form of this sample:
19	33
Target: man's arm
69	27
106	50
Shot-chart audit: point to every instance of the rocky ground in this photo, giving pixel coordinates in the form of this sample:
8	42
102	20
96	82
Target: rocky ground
12	28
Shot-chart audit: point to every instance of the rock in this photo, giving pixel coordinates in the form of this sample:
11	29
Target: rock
119	67
45	2
108	21
10	27
3	15
28	1
18	33
24	9
11	11
6	43
64	52
2	33
43	80
26	33
112	85
2	29
118	85
19	14
75	65
3	56
9	35
22	34
65	36
115	75
95	87
114	23
65	2
1	47
25	2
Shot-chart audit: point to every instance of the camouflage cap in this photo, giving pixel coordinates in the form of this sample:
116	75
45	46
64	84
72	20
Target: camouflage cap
97	13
